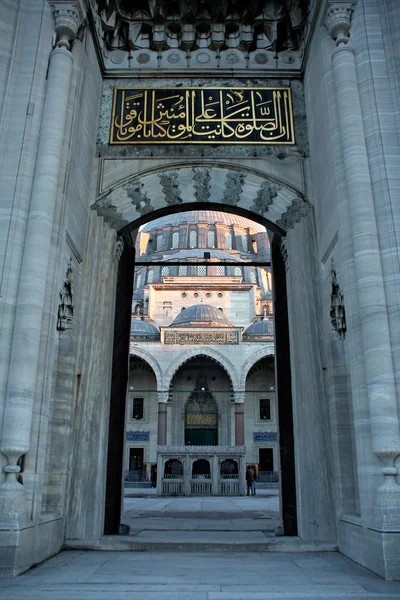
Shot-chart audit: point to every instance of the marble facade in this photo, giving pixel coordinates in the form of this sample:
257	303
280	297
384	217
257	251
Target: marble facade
69	201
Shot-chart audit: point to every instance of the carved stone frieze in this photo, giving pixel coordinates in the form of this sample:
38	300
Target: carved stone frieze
201	449
170	186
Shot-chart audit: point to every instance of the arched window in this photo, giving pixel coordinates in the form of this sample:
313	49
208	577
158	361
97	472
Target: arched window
159	243
138	280
175	240
165	272
238	272
228	240
220	270
211	239
193	239
245	245
202	270
150	276
182	270
253	277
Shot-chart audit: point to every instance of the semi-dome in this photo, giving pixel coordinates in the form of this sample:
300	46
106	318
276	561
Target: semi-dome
199	253
144	330
194	217
201	315
264	328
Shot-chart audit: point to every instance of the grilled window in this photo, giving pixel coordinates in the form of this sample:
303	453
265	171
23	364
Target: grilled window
182	270
211	239
220	270
238	272
202	270
165	272
159	242
228	241
265	409
150	276
193	239
175	240
137	409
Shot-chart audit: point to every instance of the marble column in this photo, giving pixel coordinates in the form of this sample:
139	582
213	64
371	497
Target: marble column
375	333
20	397
162	418
239	418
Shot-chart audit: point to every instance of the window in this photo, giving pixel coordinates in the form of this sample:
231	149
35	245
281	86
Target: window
253	277
238	272
165	272
211	239
220	270
159	243
202	270
175	240
265	409
137	409
245	245
182	271
150	276
138	280
228	241
193	239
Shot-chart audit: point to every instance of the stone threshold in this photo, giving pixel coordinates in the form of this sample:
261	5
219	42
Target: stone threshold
120	543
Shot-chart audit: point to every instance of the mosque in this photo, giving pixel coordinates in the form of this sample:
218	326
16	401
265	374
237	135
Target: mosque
199	244
206	326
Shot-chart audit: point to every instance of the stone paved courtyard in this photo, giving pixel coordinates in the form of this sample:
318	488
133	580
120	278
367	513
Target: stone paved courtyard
202	519
88	575
111	575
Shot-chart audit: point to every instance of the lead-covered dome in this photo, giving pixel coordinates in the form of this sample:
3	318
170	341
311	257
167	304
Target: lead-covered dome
260	329
201	315
194	217
144	330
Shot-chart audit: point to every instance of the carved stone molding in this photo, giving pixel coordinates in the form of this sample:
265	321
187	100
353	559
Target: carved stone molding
66	305
296	211
337	311
284	253
119	248
162	396
338	20
66	21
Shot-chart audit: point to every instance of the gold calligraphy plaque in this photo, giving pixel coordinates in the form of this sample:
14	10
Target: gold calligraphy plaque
200	337
202	116
201	419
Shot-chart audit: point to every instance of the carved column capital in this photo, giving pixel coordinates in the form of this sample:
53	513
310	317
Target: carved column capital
66	21
338	19
239	397
162	396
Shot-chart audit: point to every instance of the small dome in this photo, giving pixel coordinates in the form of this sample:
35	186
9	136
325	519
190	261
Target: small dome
264	328
201	315
144	330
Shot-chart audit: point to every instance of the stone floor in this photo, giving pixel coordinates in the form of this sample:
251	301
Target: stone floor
88	575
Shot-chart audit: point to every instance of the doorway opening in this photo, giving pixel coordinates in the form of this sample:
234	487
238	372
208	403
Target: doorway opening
202	315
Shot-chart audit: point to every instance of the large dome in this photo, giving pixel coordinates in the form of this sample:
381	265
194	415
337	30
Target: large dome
202	216
201	315
259	329
199	253
144	330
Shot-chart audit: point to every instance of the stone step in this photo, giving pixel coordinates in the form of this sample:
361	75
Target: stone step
213	544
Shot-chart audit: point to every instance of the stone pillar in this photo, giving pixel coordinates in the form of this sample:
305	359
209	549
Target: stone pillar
25	347
162	418
239	418
369	278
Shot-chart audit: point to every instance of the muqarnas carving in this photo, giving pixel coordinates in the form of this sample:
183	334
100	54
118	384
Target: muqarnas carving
337	311
66	306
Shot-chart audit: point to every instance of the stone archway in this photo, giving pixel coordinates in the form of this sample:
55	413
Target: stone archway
132	191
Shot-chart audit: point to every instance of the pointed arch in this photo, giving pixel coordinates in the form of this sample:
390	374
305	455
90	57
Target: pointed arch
267	350
146	356
223	362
